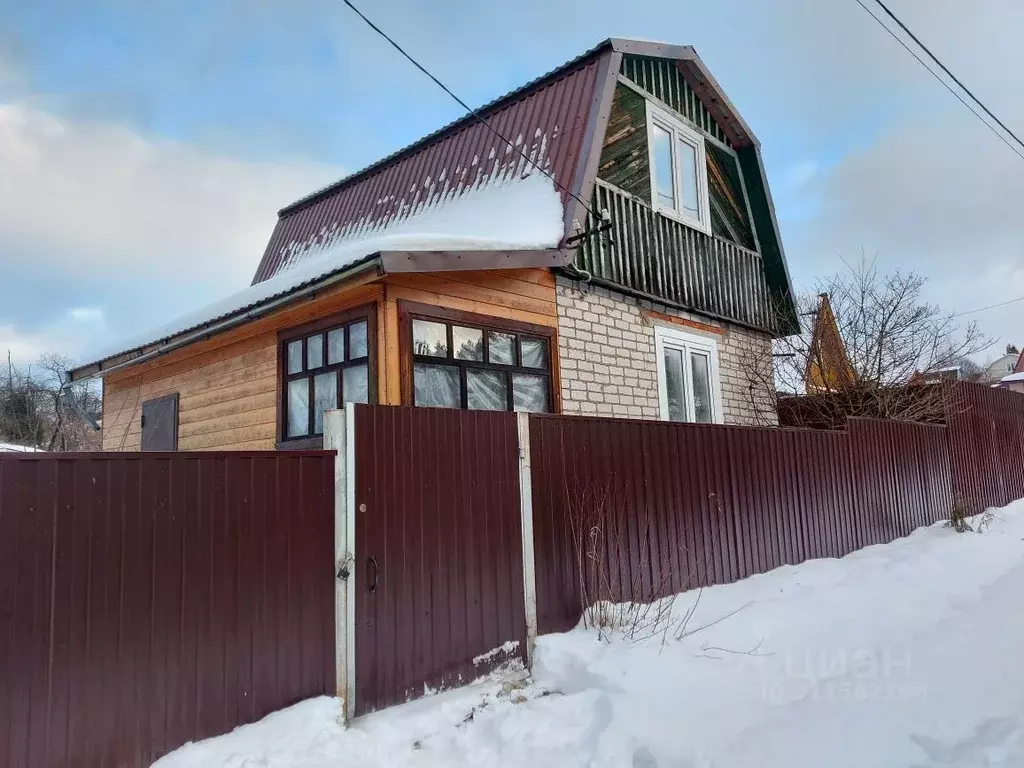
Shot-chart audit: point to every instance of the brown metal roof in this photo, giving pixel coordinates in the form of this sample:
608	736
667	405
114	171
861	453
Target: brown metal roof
557	120
547	119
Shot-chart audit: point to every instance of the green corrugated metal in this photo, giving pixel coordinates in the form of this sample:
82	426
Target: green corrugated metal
775	271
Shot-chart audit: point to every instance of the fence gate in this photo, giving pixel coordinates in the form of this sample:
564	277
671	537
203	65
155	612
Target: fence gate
438	550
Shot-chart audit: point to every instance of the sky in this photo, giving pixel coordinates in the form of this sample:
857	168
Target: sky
145	146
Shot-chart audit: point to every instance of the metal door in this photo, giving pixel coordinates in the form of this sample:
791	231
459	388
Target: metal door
439	590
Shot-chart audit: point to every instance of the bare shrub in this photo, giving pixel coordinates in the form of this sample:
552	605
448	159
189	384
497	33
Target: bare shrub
42	408
629	589
959	517
885	350
961	521
618	591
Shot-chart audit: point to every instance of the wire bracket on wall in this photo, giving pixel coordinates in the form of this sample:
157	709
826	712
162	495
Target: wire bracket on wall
583	234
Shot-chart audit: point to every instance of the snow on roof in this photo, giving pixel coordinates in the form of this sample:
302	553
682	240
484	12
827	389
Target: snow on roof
1013	377
12	448
522	214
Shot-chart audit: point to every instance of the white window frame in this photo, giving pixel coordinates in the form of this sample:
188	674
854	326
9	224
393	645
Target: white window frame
676	338
679	132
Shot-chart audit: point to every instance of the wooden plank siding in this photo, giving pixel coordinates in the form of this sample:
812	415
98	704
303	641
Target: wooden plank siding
522	295
227	385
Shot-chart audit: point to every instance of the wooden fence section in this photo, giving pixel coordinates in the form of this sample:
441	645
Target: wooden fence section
986	440
152	599
640	510
439	563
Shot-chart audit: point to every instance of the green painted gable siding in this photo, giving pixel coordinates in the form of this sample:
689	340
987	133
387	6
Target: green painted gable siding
729	217
624	159
775	271
662	79
625	162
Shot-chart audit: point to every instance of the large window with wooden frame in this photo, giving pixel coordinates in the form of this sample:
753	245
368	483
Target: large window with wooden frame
324	365
456	359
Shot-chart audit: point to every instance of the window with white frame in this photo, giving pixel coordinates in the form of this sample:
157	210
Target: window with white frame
688	384
679	176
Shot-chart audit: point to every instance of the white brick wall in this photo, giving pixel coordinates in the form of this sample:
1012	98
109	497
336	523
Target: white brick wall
608	366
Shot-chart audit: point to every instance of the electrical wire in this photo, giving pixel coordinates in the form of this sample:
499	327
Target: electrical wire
469	109
945	69
934	74
990	306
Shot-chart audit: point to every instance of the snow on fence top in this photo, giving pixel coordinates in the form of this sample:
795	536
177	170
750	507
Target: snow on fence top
522	214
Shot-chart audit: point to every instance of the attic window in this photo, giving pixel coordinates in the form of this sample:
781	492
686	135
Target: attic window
679	178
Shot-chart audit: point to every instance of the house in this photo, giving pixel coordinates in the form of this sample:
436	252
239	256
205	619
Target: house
14	448
605	244
1002	366
828	366
1015	379
943	375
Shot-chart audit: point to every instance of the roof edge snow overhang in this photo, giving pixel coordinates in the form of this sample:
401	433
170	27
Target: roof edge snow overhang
384	262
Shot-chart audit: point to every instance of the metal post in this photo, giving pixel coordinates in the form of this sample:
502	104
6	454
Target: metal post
338	429
526	517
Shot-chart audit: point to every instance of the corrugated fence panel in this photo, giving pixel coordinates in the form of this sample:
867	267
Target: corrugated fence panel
152	599
439	539
986	429
636	510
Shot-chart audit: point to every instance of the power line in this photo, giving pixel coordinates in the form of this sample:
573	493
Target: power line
934	74
469	109
945	69
990	306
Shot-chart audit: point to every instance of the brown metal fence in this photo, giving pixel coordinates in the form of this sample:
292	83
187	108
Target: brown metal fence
986	440
640	510
439	569
151	599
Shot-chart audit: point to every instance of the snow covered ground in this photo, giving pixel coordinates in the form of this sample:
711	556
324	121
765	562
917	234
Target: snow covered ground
907	654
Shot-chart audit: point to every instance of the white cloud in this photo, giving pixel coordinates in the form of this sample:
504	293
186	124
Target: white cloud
22	347
99	196
64	333
86	314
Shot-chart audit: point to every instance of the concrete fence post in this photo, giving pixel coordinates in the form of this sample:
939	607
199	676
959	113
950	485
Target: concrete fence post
526	518
339	435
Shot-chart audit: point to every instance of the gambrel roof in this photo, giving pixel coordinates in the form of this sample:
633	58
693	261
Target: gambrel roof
558	122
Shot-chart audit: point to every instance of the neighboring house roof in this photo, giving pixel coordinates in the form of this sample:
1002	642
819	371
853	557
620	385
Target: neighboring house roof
12	448
999	368
1019	376
949	373
1019	367
828	365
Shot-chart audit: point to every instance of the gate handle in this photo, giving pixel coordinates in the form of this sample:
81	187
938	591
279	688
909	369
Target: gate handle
373	583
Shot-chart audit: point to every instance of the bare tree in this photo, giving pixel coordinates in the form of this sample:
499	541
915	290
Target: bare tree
894	344
40	407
